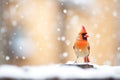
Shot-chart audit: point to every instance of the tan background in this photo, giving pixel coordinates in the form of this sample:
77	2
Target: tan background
37	32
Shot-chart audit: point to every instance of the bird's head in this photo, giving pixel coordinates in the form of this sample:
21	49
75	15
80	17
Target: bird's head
83	33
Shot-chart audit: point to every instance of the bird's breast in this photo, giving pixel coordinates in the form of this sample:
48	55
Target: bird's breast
81	52
81	48
81	44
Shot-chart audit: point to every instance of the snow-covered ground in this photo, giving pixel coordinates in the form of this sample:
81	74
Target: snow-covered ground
59	71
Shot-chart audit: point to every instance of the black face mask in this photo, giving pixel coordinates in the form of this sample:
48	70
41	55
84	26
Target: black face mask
83	36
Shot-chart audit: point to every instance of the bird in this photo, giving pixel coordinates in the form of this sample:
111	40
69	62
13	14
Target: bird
81	46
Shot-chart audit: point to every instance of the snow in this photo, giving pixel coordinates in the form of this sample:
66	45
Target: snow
23	47
59	71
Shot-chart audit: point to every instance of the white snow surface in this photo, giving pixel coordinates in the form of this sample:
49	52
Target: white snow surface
60	71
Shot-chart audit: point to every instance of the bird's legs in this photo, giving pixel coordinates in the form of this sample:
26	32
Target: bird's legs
76	60
86	59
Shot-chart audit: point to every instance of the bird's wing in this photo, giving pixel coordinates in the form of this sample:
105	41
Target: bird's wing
74	46
89	48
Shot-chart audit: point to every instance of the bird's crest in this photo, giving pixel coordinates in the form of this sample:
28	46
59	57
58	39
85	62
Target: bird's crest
83	30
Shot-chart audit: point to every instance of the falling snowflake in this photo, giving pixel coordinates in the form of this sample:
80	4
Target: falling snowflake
17	6
7	58
14	22
58	38
65	11
74	20
16	57
98	36
95	25
3	30
21	16
118	48
10	42
20	47
23	57
6	3
63	38
107	8
65	54
40	49
67	42
114	13
58	29
14	33
62	4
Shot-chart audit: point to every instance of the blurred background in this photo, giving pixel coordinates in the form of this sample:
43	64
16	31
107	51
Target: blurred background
39	32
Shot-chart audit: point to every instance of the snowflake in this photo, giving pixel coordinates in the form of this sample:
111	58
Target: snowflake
65	11
40	49
3	30
95	25
16	57
67	42
65	54
20	47
74	20
58	29
23	57
58	39
14	33
14	22
114	13
7	58
17	6
21	16
10	42
63	38
6	3
107	8
62	4
98	36
118	48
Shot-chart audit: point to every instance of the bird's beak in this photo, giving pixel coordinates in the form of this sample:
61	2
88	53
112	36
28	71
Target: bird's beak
86	36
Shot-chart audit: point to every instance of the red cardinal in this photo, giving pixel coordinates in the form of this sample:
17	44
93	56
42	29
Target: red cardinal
81	46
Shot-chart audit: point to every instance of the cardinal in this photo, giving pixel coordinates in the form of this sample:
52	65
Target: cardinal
81	46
